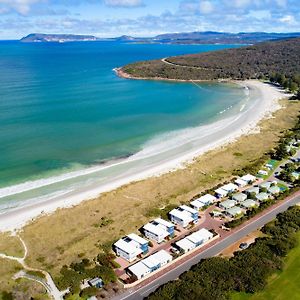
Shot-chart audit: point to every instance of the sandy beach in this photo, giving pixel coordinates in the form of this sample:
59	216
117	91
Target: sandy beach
170	155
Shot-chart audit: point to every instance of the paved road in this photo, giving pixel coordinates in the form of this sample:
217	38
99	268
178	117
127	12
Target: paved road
249	226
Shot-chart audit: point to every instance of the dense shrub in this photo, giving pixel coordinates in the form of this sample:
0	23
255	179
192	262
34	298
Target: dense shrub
72	276
277	60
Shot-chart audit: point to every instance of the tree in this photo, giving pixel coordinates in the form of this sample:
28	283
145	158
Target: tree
263	189
7	296
281	151
293	86
252	195
290	167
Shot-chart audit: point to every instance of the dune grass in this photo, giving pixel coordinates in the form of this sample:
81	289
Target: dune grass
71	234
7	269
11	245
282	285
20	288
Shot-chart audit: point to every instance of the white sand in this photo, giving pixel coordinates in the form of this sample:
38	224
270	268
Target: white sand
172	153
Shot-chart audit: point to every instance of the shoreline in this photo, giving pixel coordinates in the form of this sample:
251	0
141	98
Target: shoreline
122	74
267	103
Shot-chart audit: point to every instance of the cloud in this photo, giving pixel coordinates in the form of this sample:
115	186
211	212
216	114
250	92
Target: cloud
281	3
24	7
21	6
124	3
288	20
240	3
206	7
260	14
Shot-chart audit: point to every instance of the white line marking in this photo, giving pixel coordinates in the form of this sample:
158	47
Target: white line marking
153	287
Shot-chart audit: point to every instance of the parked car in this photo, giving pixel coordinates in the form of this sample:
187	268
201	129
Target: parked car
174	250
225	228
244	246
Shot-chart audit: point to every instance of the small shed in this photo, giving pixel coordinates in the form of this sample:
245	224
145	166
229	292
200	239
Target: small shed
96	282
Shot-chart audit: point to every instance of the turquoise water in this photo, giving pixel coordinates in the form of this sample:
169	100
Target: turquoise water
62	107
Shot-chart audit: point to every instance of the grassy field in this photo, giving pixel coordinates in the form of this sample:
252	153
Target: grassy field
11	245
73	233
283	285
7	269
21	288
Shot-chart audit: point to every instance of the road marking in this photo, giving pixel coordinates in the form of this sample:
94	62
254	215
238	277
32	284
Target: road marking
153	287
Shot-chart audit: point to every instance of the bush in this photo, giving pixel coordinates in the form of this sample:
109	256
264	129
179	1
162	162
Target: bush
72	276
6	296
163	213
104	222
88	292
36	274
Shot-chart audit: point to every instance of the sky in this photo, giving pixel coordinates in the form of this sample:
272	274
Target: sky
111	18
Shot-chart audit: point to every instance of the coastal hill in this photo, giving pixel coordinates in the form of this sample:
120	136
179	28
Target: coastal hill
45	38
262	60
205	37
213	37
210	37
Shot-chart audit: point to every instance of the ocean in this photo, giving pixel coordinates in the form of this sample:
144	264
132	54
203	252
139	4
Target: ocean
65	115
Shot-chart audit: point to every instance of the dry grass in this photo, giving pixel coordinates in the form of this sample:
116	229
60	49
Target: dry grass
7	269
11	245
21	288
58	239
28	289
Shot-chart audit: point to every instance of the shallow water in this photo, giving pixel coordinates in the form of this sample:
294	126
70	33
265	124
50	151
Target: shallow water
63	112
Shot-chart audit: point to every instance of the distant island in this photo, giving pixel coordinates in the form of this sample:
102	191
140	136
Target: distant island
278	61
213	37
206	37
59	38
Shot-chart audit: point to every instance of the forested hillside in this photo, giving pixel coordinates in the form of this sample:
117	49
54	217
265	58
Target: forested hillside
272	60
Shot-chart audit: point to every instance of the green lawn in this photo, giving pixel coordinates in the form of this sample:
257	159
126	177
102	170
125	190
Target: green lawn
282	186
274	163
283	285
